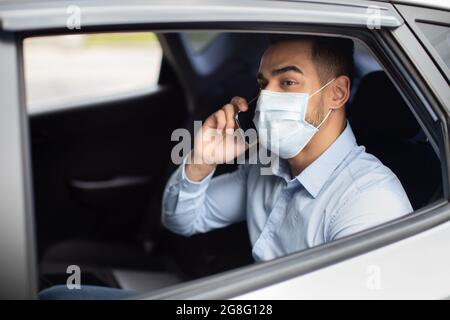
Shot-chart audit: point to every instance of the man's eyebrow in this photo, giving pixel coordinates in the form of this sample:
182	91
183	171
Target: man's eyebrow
284	69
277	71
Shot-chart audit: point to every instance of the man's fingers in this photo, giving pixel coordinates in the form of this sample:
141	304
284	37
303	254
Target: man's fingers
224	118
239	103
216	121
220	118
229	110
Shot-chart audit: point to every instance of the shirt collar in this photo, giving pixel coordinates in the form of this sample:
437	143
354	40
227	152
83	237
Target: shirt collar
317	173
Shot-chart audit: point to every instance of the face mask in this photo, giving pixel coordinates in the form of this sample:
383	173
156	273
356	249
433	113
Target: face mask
280	121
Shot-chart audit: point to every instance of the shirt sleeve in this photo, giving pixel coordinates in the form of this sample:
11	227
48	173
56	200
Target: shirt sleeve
368	209
191	207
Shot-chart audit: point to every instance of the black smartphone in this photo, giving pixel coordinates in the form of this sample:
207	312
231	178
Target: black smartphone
244	120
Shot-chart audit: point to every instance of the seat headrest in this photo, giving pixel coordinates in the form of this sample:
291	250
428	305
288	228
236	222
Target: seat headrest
379	112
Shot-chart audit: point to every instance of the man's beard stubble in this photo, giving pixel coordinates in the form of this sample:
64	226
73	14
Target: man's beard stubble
317	115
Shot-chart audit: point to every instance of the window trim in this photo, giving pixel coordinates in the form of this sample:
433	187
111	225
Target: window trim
413	16
44	15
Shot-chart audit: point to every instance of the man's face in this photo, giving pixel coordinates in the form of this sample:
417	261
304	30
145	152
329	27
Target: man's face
288	67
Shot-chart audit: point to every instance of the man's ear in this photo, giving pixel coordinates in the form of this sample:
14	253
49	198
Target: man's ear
339	93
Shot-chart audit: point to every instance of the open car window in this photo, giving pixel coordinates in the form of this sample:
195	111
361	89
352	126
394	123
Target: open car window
96	165
88	142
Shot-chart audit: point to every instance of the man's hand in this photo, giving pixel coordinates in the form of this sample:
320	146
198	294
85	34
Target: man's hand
216	142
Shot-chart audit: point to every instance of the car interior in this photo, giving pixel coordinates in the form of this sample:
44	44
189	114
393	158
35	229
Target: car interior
99	169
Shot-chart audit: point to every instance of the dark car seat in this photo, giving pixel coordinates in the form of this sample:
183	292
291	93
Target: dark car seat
383	123
156	250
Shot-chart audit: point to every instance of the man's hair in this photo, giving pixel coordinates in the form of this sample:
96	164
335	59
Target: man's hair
331	56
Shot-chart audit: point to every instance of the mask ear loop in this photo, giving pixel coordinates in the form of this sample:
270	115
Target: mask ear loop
317	91
324	119
323	87
257	95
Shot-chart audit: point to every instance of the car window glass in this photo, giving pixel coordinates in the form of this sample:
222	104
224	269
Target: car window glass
439	38
61	70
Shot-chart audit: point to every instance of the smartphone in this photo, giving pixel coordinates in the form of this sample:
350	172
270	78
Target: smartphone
244	120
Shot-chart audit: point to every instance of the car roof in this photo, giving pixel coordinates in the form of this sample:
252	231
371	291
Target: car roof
443	4
19	4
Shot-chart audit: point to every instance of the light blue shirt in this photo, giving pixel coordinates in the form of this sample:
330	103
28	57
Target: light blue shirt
344	191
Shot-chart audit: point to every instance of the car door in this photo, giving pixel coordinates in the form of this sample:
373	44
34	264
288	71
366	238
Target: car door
344	19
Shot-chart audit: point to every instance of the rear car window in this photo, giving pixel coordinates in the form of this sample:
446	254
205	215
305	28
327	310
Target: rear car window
71	69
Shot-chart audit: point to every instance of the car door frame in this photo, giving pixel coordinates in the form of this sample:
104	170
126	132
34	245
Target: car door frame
18	275
416	14
433	117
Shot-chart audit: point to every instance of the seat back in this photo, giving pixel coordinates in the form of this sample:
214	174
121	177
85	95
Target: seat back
384	124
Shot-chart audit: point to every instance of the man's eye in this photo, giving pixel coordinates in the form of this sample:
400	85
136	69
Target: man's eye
288	82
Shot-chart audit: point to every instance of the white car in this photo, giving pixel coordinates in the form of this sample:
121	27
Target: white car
81	179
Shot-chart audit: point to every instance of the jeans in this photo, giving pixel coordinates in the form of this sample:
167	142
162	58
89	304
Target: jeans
61	292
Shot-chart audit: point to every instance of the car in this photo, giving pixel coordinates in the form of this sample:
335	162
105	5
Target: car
81	179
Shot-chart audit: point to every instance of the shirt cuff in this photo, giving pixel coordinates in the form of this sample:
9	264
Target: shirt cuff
187	185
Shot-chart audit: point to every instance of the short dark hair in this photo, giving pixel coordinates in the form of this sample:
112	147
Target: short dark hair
332	56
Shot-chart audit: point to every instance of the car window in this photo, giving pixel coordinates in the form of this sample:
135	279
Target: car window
62	70
439	38
199	41
110	170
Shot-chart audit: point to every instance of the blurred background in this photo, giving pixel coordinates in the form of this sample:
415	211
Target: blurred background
70	69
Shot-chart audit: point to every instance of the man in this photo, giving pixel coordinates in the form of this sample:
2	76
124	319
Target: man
324	185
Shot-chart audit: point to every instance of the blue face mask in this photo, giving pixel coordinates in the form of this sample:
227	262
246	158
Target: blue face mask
280	121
